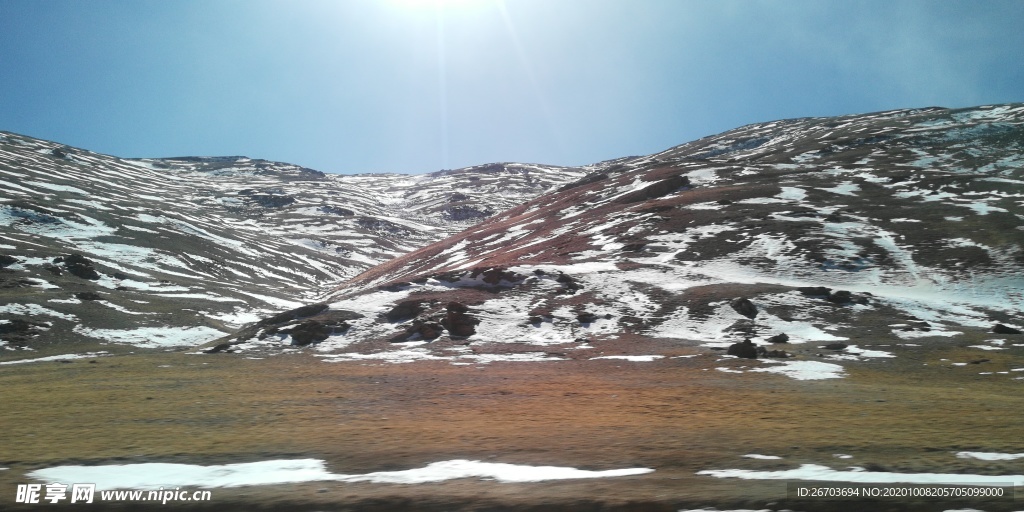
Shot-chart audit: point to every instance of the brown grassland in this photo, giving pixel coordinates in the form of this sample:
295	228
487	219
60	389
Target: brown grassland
675	415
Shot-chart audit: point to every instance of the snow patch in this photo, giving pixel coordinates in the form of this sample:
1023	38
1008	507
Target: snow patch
825	474
157	475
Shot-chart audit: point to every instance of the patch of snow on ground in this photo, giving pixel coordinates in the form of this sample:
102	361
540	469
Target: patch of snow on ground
985	347
152	337
853	352
63	357
762	457
33	310
845	188
825	474
990	455
164	475
631	358
804	370
792	194
273	301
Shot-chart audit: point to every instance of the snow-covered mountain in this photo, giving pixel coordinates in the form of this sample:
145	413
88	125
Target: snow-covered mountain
176	251
858	233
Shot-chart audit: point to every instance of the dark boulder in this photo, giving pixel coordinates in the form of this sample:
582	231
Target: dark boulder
88	296
79	266
815	291
404	310
1004	329
313	331
586	317
571	285
457	320
835	346
779	338
429	330
6	260
745	349
840	297
457	307
744	307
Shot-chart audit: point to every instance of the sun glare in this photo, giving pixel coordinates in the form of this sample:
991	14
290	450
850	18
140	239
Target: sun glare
438	4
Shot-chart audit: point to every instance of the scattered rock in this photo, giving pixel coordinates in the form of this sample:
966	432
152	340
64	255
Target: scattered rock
745	349
586	317
779	338
53	269
270	200
835	346
464	212
88	296
1003	329
494	276
17	331
979	361
312	331
6	260
744	307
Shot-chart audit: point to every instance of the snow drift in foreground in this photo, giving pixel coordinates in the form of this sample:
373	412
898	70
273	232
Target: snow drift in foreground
156	475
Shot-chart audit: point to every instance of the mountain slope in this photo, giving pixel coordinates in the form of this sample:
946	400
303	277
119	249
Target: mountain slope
863	230
176	251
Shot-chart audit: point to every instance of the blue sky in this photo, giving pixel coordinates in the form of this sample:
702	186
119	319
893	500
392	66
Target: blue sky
417	86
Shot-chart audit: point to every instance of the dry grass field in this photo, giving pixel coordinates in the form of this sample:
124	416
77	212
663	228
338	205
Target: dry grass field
677	415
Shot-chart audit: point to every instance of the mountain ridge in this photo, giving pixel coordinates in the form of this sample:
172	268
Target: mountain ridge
879	213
